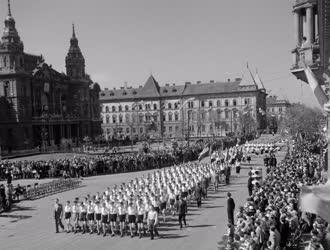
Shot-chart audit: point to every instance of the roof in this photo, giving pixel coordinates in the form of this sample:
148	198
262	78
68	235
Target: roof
272	100
151	89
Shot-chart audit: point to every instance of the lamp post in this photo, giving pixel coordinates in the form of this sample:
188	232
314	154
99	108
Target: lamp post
44	133
182	115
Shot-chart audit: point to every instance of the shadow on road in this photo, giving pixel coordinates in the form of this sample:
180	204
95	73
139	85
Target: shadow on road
213	206
172	236
201	226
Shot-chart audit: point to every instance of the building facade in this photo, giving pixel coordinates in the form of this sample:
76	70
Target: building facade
190	110
277	106
39	105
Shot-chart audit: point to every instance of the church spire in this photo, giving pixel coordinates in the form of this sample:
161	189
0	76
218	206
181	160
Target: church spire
75	62
9	9
73	31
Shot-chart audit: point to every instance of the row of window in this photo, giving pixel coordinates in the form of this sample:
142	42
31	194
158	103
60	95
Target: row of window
176	105
280	109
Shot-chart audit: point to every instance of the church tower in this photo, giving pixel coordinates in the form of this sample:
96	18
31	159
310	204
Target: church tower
74	61
11	47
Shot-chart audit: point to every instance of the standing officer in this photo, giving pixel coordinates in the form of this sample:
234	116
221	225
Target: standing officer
198	195
58	213
182	209
230	208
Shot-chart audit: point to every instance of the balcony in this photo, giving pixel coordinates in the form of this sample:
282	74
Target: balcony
306	55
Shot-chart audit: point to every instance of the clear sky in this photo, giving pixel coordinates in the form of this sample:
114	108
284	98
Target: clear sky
176	40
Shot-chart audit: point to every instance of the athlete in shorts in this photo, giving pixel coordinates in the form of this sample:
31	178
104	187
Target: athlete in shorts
67	216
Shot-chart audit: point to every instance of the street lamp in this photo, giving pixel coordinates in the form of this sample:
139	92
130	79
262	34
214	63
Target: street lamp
183	123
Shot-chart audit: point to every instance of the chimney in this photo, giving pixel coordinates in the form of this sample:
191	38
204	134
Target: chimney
212	81
199	82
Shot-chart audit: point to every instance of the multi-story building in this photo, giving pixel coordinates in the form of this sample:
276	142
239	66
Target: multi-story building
276	106
39	105
177	111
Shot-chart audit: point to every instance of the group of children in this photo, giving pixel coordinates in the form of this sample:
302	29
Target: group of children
134	208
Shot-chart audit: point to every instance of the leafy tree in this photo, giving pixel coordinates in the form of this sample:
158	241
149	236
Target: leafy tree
301	119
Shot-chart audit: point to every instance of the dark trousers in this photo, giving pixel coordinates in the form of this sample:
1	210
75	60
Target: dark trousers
58	222
250	191
199	201
182	217
153	229
231	217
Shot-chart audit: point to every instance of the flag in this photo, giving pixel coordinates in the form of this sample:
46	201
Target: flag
204	153
316	200
316	88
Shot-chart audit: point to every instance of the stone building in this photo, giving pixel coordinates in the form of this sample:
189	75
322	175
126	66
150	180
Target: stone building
39	105
276	106
193	110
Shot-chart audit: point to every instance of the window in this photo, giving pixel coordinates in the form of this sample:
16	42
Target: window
148	107
210	103
127	118
203	128
170	117
107	119
140	106
148	118
235	113
141	130
164	118
203	116
114	119
120	118
126	108
124	93
108	131
141	118
280	109
272	109
112	94
127	130
134	92
176	116
218	114
170	106
170	129
191	105
176	105
155	106
226	103
165	90
211	128
107	109
218	103
134	130
202	104
113	109
247	101
176	128
120	108
155	117
6	89
226	114
234	102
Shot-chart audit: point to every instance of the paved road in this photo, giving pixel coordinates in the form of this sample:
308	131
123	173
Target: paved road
31	225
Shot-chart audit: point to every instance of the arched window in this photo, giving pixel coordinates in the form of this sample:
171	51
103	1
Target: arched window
127	118
113	108
234	102
170	106
176	116
176	105
227	114
202	104
114	119
155	116
126	108
210	103
155	106
226	103
107	109
120	108
140	106
218	103
170	117
120	118
107	119
6	89
140	118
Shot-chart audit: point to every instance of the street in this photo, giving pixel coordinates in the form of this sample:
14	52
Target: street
30	225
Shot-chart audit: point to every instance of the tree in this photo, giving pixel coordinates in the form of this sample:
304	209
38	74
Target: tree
301	119
247	124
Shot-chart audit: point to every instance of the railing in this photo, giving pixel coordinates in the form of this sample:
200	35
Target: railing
308	55
50	188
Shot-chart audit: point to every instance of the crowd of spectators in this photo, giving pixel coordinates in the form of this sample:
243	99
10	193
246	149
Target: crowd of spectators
87	165
271	219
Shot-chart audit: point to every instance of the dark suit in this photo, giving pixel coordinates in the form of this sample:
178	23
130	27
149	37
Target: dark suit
182	209
58	211
250	186
198	195
230	210
284	232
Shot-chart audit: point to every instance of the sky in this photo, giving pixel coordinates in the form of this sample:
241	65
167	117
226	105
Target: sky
175	40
